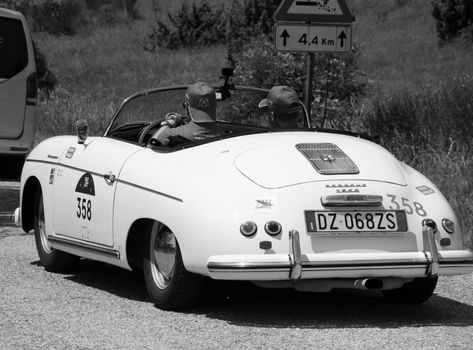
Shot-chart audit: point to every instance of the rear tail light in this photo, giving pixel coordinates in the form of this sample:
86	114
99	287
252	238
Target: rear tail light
448	225
32	90
273	228
431	223
248	228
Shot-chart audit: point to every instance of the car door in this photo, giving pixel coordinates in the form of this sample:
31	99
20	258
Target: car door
17	73
84	189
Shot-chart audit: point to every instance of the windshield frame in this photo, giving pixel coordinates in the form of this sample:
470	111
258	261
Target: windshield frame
217	87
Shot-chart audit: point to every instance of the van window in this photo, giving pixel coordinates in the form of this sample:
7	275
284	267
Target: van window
13	49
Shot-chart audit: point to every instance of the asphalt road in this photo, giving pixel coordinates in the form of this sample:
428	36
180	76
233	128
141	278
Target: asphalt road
102	307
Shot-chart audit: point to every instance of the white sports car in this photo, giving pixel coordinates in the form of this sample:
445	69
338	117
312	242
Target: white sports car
304	208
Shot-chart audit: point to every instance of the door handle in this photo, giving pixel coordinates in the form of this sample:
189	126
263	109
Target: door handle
109	178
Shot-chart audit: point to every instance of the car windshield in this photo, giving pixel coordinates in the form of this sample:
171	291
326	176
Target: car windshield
237	110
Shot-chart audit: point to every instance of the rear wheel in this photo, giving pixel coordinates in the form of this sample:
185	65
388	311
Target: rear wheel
52	259
415	292
170	286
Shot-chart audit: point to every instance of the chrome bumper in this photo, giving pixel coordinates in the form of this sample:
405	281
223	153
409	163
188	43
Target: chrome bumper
294	265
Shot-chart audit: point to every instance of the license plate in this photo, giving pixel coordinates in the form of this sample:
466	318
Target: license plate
356	221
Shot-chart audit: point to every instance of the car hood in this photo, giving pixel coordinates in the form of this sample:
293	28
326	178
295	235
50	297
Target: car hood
327	157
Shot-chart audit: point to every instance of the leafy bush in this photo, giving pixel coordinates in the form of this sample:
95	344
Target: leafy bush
201	25
205	25
52	16
261	65
69	16
453	18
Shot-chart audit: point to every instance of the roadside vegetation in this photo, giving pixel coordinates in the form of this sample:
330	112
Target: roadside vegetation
408	82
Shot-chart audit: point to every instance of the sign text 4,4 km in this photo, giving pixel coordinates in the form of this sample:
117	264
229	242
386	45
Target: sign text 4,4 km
313	38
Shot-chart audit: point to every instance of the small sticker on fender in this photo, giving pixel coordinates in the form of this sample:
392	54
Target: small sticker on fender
425	190
70	152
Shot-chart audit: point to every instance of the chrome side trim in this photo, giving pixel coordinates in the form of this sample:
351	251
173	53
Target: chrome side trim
102	176
149	190
111	253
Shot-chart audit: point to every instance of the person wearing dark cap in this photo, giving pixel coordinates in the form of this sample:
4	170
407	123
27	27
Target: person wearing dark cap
201	112
285	107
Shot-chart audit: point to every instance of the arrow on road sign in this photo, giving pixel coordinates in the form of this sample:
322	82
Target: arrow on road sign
293	37
284	37
342	37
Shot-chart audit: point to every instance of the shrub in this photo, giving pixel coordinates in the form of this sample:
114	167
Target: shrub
453	18
261	65
205	25
52	16
201	25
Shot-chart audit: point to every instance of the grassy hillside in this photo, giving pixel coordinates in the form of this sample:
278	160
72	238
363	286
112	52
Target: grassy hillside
400	56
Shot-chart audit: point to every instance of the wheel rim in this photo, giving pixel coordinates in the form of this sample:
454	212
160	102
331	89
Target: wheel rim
163	255
42	229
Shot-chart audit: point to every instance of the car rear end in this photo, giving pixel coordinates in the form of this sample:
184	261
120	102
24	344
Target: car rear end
18	86
338	212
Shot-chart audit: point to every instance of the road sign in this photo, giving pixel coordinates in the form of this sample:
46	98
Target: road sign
313	38
314	11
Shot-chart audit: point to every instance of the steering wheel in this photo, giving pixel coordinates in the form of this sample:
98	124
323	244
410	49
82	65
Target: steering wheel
147	129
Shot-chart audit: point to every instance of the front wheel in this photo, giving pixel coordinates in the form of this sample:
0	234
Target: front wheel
52	259
415	292
170	286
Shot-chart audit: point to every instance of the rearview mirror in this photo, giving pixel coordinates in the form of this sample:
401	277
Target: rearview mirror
82	129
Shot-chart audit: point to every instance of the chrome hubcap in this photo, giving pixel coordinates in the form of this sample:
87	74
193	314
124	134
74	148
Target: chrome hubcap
163	255
42	229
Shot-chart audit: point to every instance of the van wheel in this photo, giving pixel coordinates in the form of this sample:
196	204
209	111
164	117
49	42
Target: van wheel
170	286
53	260
415	292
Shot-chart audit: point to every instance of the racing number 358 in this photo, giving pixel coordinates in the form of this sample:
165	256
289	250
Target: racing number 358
84	208
417	207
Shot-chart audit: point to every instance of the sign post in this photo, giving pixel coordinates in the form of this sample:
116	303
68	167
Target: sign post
313	26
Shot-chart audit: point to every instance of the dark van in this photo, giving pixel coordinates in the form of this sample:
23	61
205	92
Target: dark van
18	87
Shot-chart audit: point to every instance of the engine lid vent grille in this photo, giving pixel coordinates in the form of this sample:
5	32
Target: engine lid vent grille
327	158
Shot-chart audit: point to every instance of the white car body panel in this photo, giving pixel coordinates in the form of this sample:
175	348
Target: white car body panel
204	193
176	199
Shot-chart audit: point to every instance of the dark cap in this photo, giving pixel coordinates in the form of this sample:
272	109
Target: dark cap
201	100
281	100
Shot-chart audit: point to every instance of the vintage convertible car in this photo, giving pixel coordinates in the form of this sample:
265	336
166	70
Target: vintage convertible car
305	208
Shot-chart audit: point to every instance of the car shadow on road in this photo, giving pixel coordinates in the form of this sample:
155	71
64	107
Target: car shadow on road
242	303
111	279
336	309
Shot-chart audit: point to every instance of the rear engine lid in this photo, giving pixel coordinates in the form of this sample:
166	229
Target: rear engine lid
285	165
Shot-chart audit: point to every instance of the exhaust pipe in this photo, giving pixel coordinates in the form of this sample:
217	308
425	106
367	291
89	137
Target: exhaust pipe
368	283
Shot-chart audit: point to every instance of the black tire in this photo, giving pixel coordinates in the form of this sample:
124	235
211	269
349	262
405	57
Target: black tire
170	286
415	292
53	260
